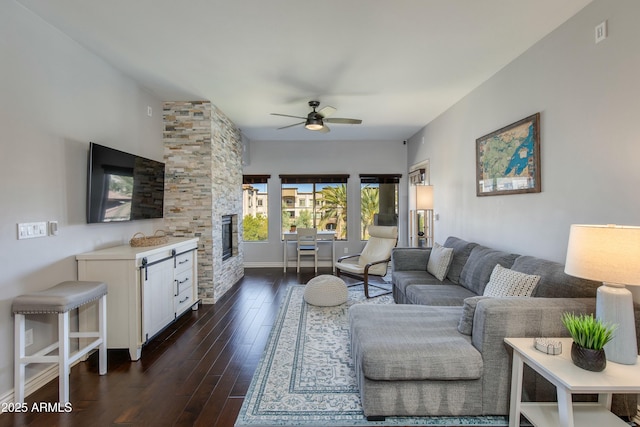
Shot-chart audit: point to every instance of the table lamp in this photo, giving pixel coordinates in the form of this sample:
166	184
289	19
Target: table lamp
609	254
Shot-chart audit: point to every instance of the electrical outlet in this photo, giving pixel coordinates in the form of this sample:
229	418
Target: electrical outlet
53	228
28	337
346	250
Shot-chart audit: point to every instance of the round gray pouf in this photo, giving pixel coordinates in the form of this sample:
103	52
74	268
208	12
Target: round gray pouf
326	290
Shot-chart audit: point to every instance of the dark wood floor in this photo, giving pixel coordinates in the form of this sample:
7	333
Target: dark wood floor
195	373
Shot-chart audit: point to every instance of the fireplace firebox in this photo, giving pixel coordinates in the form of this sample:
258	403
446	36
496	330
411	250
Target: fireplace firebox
227	236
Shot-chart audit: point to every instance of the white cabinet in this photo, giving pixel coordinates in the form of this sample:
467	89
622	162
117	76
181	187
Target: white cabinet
148	288
157	298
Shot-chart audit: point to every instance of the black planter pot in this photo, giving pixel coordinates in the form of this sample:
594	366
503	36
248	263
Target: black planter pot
586	358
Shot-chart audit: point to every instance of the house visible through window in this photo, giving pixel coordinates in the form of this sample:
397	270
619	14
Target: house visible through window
322	202
255	205
378	201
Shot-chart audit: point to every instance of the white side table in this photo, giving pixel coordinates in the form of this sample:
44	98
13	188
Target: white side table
568	379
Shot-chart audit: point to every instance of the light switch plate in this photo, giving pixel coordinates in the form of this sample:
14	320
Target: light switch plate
601	31
31	230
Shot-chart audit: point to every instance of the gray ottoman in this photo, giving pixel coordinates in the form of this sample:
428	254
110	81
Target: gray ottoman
326	290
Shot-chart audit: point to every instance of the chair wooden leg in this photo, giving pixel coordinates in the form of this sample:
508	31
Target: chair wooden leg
102	331
64	368
19	373
365	284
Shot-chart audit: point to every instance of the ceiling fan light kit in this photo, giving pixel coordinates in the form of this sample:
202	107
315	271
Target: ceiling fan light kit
314	123
315	119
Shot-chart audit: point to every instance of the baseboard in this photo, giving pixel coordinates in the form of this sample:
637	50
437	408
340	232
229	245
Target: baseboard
292	264
263	264
34	383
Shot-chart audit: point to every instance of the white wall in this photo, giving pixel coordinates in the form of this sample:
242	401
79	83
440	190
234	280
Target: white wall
321	157
55	97
589	99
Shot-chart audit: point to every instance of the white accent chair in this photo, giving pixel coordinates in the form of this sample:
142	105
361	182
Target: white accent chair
374	258
308	245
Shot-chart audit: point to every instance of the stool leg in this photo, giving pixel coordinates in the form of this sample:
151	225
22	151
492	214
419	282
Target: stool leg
63	356
102	328
19	379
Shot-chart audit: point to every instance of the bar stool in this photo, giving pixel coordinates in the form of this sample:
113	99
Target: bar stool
60	299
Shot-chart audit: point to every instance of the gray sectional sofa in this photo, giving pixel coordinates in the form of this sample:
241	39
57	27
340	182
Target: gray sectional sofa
440	349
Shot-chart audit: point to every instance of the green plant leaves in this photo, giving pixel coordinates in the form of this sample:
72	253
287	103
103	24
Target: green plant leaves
587	331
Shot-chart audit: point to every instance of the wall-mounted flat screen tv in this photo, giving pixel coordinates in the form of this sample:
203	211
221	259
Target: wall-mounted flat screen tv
123	186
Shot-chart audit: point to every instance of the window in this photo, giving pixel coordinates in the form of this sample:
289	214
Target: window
378	201
255	221
325	202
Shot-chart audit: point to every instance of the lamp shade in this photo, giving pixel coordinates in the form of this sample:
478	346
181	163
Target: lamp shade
606	253
424	197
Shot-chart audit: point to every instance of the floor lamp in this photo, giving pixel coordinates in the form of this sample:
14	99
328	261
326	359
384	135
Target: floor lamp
424	202
609	254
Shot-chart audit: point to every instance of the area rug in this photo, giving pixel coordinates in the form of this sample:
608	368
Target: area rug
306	375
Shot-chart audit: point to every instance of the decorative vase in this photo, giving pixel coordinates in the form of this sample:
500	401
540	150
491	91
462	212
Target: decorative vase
589	359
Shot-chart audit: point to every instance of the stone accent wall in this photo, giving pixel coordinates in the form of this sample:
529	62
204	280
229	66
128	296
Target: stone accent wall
203	154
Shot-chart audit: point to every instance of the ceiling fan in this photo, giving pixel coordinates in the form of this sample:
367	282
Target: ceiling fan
316	120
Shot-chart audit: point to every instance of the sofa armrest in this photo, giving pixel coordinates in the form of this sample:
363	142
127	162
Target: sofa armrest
407	259
498	318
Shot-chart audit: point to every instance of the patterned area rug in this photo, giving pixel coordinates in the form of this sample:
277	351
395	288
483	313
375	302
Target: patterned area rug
306	376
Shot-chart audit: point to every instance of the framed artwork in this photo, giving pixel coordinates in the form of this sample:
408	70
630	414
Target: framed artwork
508	160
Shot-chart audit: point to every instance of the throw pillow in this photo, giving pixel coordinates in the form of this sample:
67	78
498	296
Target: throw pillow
508	283
439	261
465	325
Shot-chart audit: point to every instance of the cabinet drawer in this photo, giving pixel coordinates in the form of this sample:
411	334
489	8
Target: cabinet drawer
183	301
184	281
184	261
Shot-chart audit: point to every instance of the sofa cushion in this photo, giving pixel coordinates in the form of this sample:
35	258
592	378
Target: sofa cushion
403	279
465	324
439	261
554	282
413	343
476	272
441	294
461	251
509	283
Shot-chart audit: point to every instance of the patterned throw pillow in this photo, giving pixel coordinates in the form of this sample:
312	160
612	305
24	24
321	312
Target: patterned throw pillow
508	283
439	261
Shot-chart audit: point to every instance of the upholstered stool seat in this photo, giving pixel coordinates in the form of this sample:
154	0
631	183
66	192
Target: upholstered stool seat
60	300
326	290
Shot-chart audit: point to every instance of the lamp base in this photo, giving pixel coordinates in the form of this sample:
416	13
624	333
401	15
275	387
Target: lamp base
614	306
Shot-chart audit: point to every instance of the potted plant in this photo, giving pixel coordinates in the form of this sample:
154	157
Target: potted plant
589	337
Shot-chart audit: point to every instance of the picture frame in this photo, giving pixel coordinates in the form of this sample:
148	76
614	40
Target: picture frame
508	159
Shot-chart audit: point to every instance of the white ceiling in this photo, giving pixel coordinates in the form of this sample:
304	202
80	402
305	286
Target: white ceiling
394	64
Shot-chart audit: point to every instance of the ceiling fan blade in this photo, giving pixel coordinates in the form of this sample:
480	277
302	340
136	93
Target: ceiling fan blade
287	115
327	111
324	129
344	121
289	126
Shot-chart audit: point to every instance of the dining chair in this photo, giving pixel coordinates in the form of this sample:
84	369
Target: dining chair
308	245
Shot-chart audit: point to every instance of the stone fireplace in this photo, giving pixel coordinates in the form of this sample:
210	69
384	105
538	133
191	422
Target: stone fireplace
203	184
